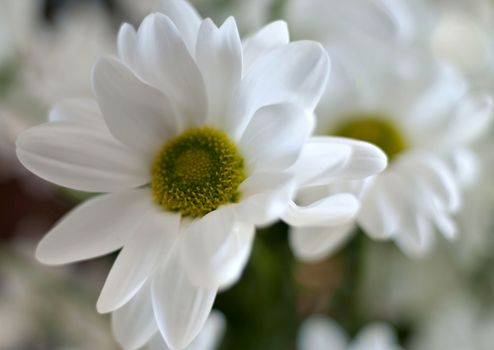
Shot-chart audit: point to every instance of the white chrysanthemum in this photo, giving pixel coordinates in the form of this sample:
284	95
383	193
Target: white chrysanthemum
321	333
200	138
419	114
462	37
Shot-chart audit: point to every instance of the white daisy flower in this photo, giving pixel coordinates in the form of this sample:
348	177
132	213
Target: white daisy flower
321	333
421	115
197	139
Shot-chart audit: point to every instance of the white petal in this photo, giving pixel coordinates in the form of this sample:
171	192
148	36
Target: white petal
139	115
156	343
376	336
211	334
168	65
382	205
127	45
216	248
152	242
267	38
366	159
458	40
219	57
313	244
133	324
208	339
333	210
438	183
180	308
79	157
295	73
472	119
446	225
466	166
264	197
416	237
185	18
78	110
319	159
321	333
97	227
274	137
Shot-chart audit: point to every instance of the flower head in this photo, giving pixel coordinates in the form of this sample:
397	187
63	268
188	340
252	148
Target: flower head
421	114
195	138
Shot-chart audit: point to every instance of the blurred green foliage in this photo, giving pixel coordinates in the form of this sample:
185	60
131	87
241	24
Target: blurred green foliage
260	308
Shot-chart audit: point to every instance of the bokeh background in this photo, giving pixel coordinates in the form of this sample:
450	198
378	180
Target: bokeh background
47	49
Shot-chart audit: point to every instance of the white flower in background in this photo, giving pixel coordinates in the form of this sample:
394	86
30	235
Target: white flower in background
460	322
27	303
46	64
57	62
208	339
420	114
199	139
462	37
321	333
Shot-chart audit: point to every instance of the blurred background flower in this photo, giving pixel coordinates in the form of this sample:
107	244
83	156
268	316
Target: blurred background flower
442	301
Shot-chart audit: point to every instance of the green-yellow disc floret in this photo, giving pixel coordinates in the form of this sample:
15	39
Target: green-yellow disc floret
374	129
196	172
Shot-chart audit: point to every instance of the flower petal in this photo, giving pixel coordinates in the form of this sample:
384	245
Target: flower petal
167	64
267	38
216	248
97	227
264	198
366	159
133	324
79	157
185	18
313	244
219	57
152	242
137	114
78	110
295	73
415	238
437	182
319	158
383	204
274	137
180	308
319	331
127	45
333	210
208	339
471	119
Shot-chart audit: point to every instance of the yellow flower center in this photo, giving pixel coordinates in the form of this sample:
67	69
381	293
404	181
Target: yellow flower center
196	172
374	129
